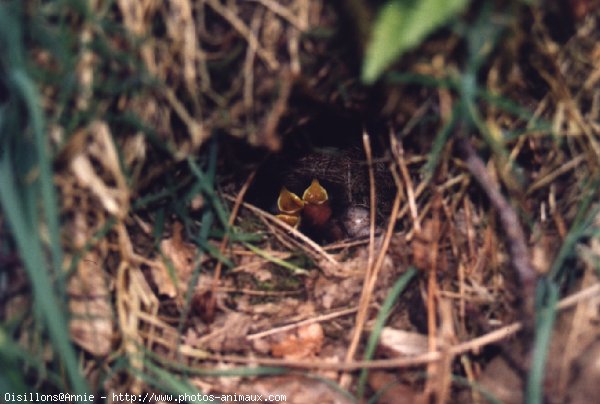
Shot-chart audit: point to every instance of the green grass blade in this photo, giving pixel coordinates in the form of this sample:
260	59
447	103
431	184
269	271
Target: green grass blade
581	224
294	268
206	224
31	253
545	316
207	187
20	200
439	142
384	312
30	96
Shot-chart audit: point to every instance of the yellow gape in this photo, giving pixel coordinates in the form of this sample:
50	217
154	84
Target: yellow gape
314	206
289	203
317	211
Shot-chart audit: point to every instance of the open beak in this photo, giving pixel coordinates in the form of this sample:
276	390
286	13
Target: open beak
292	220
289	203
315	193
316	205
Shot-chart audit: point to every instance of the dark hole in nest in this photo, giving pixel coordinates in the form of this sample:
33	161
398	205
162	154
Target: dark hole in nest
328	148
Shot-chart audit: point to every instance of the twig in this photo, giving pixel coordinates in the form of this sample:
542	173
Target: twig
284	13
313	320
432	232
562	169
515	236
398	152
244	31
253	292
372	279
372	198
198	134
345	244
366	292
278	109
248	92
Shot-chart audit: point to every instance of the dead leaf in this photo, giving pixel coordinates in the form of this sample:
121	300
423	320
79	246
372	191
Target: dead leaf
303	342
402	343
182	256
91	325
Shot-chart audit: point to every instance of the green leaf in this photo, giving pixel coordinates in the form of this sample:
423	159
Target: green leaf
402	25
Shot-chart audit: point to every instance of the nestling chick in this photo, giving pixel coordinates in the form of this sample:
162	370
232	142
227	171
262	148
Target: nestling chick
356	221
290	206
317	210
317	220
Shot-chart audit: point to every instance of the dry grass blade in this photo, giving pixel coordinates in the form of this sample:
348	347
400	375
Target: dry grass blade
370	274
321	318
410	192
283	12
437	372
548	179
515	237
269	59
373	272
